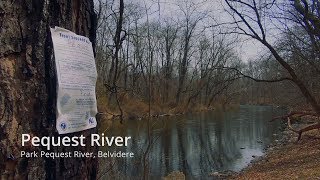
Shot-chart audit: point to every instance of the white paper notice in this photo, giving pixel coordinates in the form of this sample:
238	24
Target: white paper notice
77	75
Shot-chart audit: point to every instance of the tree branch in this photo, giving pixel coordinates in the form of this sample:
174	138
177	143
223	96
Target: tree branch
255	79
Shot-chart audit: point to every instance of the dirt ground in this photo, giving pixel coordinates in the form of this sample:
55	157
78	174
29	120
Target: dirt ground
288	160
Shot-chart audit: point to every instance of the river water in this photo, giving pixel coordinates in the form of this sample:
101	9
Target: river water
196	144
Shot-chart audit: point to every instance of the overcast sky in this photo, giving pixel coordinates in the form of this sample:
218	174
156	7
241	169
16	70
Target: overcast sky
161	9
248	49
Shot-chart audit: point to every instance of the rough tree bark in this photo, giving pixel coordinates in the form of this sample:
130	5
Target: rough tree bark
27	85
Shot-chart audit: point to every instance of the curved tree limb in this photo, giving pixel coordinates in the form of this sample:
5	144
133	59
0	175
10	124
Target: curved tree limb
304	129
288	117
255	79
299	113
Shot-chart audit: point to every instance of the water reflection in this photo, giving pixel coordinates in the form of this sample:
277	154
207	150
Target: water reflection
198	144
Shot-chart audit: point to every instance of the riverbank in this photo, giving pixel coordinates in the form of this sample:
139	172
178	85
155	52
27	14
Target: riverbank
135	108
287	159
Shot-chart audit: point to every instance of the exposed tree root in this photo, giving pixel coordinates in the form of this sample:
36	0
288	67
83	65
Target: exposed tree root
299	114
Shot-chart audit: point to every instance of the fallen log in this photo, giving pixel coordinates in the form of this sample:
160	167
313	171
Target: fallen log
299	114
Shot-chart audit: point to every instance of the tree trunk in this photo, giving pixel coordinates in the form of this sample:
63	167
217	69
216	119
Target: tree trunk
28	86
299	83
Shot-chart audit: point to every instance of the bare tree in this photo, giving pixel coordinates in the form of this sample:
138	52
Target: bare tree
249	20
191	19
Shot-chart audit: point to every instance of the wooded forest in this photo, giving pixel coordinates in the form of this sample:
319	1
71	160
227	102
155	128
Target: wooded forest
192	60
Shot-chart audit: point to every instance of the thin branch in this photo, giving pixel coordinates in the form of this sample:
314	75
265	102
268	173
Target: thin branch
255	79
